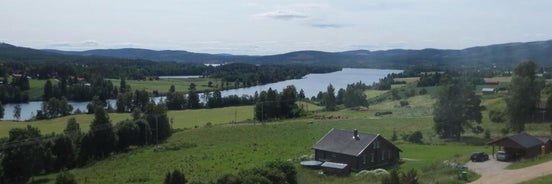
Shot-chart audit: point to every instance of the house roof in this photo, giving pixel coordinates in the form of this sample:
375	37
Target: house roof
544	139
487	81
521	140
343	141
488	89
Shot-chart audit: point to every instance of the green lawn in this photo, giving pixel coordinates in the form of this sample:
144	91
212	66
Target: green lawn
181	119
500	79
56	125
540	180
226	149
374	93
163	85
530	162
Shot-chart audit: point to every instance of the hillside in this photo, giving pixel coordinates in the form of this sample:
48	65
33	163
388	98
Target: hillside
505	55
13	53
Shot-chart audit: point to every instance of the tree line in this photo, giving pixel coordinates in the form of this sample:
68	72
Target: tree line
352	96
458	108
27	152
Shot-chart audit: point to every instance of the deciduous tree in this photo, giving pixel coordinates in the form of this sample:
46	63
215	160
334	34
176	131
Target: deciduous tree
456	107
524	93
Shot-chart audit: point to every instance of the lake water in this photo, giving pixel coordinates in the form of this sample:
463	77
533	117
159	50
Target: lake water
311	85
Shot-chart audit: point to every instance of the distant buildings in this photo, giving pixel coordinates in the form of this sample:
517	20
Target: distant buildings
487	91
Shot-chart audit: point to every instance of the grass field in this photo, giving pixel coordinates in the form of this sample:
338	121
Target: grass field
205	153
530	162
163	85
540	180
225	149
181	119
374	93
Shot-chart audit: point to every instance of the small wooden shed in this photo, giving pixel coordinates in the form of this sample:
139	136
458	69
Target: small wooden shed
522	145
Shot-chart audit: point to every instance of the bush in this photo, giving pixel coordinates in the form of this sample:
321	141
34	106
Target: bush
404	103
423	91
287	168
272	172
394	137
416	137
176	177
487	134
497	116
396	177
65	178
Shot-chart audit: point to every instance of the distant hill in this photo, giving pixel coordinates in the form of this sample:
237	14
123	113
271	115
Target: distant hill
14	53
501	55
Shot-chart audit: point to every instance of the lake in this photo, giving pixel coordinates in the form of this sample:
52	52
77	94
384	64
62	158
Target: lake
311	85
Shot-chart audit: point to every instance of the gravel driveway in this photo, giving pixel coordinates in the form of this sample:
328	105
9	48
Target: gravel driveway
493	171
487	168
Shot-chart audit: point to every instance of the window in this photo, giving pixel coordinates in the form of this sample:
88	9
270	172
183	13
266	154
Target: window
382	155
372	157
364	158
376	145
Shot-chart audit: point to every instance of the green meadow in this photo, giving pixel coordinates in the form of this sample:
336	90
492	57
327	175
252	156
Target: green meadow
209	143
163	85
182	119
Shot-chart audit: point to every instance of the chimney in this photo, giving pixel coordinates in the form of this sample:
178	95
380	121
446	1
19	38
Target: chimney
355	134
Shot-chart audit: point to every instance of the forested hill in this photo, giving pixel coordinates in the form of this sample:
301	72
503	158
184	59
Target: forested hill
10	53
506	55
501	55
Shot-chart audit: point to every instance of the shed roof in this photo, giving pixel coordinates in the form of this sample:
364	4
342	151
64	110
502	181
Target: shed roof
488	89
521	140
343	141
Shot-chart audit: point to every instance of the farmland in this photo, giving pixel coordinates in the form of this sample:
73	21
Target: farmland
163	85
212	142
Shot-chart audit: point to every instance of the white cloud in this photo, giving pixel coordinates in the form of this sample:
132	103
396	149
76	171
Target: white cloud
283	15
326	25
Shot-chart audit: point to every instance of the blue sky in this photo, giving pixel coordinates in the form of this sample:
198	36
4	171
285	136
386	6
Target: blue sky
259	27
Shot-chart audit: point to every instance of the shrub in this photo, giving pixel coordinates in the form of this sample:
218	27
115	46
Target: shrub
497	116
404	103
65	178
423	91
416	137
394	137
487	134
176	177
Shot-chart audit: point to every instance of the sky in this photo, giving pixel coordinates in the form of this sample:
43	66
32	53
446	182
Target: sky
264	27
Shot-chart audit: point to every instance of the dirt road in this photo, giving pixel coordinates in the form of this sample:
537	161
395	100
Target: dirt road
493	171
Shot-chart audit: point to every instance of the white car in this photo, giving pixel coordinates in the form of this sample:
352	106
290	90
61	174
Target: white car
501	155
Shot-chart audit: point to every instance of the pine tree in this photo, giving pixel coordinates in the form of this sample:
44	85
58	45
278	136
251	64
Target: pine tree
329	99
103	138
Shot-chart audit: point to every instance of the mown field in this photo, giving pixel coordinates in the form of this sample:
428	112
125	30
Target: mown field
163	85
181	119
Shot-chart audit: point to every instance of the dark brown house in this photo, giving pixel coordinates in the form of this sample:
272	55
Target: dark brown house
522	145
358	151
